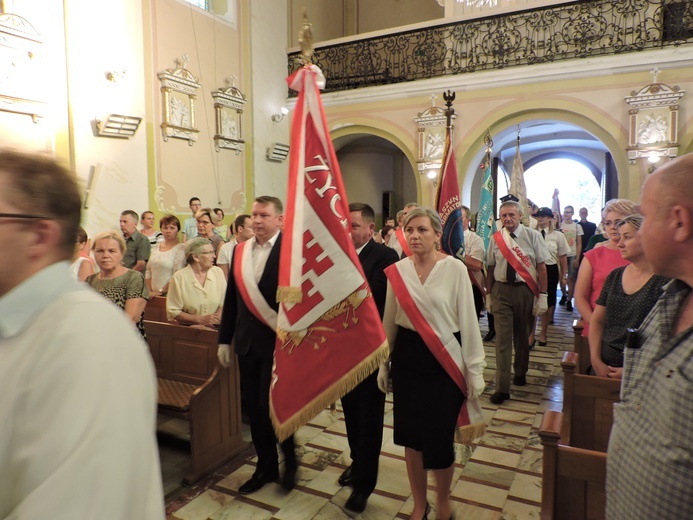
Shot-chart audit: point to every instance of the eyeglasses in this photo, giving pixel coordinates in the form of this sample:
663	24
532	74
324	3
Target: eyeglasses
22	216
609	223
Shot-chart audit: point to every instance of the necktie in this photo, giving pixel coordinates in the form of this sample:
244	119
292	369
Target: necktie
543	234
510	270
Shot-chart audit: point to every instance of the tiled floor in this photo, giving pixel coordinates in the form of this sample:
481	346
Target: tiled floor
500	478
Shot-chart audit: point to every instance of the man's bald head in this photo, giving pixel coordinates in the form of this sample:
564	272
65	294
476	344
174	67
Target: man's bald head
674	183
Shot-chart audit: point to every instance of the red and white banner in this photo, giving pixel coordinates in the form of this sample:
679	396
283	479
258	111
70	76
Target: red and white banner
329	333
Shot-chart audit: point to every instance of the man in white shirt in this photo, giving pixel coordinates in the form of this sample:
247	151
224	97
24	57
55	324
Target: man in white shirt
516	286
398	236
79	392
249	321
573	234
474	260
242	231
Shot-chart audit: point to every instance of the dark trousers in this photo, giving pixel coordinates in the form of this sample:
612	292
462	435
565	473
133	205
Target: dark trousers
363	414
478	301
512	310
256	373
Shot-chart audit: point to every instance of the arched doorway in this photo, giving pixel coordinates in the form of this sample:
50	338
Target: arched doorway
377	172
544	140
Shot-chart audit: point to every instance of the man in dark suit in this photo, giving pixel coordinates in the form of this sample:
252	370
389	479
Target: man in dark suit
254	336
364	405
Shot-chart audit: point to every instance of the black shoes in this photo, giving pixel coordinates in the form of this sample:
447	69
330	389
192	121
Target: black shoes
519	380
257	481
345	479
357	502
569	306
563	300
288	481
499	397
541	343
490	335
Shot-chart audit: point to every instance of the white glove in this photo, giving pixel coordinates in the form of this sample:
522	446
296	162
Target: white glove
224	355
477	387
540	306
489	301
384	379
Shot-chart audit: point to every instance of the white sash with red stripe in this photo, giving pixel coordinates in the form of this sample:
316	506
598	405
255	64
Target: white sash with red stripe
440	340
244	274
402	240
517	258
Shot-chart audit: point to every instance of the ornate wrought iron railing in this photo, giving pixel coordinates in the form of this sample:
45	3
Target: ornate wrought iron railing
573	30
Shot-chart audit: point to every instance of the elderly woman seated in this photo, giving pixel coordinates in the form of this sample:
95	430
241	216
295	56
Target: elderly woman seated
196	293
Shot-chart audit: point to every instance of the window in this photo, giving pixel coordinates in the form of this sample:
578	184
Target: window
576	183
219	9
202	4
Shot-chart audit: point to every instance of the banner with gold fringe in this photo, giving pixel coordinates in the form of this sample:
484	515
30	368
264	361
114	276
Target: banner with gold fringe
329	333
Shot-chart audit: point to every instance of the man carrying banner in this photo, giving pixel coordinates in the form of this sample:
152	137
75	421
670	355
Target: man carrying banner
516	287
398	241
364	405
249	319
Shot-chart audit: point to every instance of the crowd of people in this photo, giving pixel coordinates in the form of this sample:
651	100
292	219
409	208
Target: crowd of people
79	437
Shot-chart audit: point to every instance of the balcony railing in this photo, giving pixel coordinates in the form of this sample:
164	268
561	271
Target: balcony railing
573	30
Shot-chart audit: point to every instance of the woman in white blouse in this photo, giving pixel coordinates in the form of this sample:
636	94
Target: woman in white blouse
166	257
196	293
437	358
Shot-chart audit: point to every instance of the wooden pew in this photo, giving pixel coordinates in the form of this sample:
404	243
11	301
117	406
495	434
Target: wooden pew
588	403
193	386
155	310
581	346
574	479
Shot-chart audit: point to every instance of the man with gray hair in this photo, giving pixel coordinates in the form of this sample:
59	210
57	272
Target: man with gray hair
79	393
398	241
650	455
516	287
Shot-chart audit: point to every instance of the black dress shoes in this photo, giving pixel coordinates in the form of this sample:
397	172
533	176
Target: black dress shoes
288	481
345	479
257	481
499	397
490	335
357	502
519	380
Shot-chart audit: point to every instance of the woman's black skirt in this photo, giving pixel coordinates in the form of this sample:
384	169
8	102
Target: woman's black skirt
427	401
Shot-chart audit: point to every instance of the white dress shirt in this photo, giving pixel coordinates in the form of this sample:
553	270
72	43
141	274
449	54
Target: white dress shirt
78	407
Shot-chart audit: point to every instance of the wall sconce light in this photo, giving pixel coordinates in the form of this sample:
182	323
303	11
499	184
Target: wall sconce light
115	125
278	152
278	117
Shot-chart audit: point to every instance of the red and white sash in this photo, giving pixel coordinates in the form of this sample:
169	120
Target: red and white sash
442	343
517	258
244	274
402	240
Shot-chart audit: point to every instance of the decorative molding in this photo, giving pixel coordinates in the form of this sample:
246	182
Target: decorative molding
179	88
653	121
228	111
431	137
20	76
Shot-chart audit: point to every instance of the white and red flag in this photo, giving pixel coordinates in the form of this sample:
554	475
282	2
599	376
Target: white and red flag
329	333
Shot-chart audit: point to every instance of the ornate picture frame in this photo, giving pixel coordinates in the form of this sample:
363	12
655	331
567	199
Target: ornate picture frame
228	114
178	88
